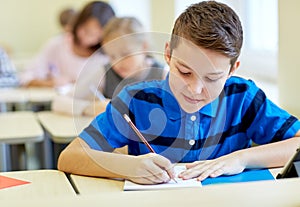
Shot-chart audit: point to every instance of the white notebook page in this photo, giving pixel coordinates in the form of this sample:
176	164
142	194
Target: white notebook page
171	184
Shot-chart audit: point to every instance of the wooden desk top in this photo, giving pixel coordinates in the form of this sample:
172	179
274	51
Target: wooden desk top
40	95
281	193
91	185
19	127
63	128
21	95
43	183
12	95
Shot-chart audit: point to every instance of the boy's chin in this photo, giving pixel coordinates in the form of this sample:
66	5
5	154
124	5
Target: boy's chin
191	109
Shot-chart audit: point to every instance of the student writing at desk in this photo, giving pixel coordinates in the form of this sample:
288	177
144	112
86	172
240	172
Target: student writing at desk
200	114
63	57
126	44
66	18
8	76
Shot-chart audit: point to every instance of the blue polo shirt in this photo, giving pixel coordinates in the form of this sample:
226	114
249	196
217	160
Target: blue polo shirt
240	115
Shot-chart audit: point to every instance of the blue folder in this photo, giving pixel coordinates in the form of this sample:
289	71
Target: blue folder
246	176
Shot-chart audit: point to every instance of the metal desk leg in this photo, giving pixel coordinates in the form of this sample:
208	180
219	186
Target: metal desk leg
5	158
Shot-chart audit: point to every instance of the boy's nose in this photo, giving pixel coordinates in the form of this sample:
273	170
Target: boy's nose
196	86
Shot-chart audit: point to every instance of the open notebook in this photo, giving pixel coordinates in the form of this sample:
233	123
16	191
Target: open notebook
172	184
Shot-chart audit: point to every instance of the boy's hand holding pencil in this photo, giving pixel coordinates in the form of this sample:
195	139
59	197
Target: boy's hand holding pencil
160	168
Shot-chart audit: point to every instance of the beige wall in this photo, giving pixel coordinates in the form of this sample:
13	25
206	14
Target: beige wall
26	25
289	56
162	15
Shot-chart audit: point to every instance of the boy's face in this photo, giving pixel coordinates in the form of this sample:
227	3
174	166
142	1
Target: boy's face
197	75
125	57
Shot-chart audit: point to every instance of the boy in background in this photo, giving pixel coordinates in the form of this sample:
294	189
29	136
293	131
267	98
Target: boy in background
126	44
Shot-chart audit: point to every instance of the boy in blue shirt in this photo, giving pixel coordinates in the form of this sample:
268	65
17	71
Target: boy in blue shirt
200	115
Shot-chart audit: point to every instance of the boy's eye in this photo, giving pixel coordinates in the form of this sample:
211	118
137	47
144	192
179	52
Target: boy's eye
184	73
210	79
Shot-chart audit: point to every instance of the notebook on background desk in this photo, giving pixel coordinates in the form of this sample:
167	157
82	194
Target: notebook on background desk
246	176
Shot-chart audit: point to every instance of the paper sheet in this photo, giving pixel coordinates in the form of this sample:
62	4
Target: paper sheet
180	183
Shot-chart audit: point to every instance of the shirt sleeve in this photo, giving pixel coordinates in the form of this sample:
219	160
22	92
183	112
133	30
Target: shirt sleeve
271	123
109	130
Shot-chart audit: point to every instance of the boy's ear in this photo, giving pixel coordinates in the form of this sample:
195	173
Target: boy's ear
234	68
167	53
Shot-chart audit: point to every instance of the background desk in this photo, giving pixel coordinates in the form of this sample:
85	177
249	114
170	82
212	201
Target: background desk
11	96
17	127
61	129
43	183
282	193
25	97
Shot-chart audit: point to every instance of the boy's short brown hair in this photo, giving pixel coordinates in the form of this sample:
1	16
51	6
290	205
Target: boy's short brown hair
211	25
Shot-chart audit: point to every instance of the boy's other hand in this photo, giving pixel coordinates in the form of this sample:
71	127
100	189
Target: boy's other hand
151	169
226	165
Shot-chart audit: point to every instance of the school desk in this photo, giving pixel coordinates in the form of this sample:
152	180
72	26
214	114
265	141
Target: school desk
23	96
279	193
61	130
34	184
40	94
91	185
12	96
17	127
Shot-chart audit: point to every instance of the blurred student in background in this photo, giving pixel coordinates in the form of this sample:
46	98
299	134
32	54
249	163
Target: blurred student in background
8	77
127	45
63	57
66	19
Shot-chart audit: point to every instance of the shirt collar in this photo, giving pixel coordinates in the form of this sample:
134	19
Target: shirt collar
211	108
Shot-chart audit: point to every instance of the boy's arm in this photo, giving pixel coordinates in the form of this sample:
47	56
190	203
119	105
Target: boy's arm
79	158
264	156
95	108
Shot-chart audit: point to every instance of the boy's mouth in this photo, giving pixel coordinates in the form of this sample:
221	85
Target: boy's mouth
191	100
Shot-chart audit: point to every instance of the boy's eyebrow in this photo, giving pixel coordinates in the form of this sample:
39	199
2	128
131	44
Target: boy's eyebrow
186	66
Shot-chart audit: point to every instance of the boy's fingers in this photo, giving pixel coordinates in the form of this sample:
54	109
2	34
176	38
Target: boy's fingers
217	173
217	168
166	165
159	175
194	164
195	171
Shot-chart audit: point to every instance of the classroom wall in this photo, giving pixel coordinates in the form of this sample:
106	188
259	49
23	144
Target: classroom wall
289	56
163	15
26	25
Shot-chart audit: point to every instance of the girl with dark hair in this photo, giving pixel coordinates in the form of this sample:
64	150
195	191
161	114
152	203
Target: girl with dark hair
62	58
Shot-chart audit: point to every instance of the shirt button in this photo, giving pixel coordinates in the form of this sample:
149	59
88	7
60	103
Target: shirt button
192	142
193	118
